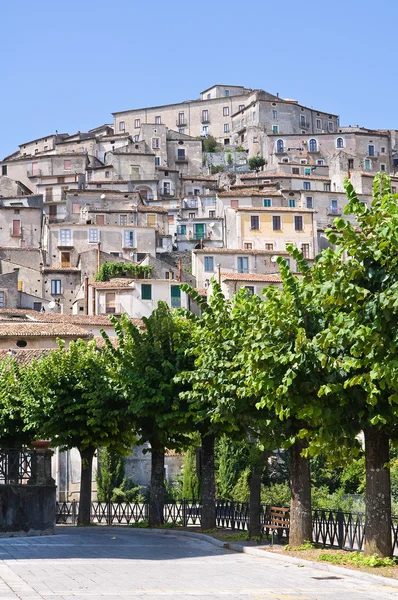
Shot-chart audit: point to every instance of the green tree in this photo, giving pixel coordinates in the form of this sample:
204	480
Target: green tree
232	457
145	364
190	481
110	473
71	400
209	144
229	159
256	163
13	418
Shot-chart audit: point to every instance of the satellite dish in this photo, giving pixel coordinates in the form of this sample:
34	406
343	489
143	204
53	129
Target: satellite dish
102	196
211	224
274	258
52	304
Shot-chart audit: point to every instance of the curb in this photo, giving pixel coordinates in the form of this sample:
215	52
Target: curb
387	581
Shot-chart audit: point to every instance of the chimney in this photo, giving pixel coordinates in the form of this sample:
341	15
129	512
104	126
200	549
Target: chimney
179	277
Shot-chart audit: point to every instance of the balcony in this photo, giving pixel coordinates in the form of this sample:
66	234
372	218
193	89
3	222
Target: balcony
374	155
181	123
205	119
182	159
304	124
34	173
18	233
334	210
110	309
187	203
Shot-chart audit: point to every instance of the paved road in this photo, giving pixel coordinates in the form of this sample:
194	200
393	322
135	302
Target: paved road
116	563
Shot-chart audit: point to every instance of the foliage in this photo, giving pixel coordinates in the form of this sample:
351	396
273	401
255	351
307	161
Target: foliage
229	159
110	474
357	559
256	163
108	270
128	492
216	169
241	491
277	494
13	417
209	144
240	149
190	485
231	458
72	400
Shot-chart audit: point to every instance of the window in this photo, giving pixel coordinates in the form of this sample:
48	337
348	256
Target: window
212	214
67	165
339	143
368	164
382	167
158	120
393	190
326	187
157	161
136	138
309	203
2	299
248	246
241	106
182	229
295	171
129	239
20	285
255	140
65	237
226	127
302	120
75	208
243	264
275	129
151	220
155	143
226	92
303	161
225	111
37	306
122	219
371	150
269	247
267	202
49	194
383	150
159	242
292	203
274	114
181	154
235	203
146	291
226	141
307	185
4	171
137	123
330	126
307	172
298	223
318	124
56	286
350	163
209	264
208	96
313	145
320	162
93	236
276	223
121	126
191	215
100	219
280	146
205	116
255	222
181	118
250	289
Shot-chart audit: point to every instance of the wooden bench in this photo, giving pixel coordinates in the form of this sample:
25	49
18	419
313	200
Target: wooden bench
276	519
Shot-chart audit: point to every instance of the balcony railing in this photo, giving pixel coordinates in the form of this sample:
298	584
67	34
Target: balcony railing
16	234
110	309
304	124
205	119
187	203
34	173
181	122
334	210
181	159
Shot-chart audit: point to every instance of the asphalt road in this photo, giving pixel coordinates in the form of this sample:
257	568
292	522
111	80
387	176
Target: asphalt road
120	563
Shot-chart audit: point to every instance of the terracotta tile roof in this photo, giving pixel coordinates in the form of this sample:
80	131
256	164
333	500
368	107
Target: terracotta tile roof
24	356
33	329
270	278
158	209
67	269
21	315
212	250
272	209
99	340
246	193
113	283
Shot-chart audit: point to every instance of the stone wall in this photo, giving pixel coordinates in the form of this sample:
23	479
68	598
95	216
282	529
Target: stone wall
29	508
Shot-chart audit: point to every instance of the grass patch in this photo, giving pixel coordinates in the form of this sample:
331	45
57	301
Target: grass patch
357	559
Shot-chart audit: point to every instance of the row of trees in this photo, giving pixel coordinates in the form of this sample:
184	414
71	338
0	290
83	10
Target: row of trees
307	370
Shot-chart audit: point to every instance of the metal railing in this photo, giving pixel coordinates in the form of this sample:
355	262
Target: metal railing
334	210
16	466
34	173
110	309
331	528
181	122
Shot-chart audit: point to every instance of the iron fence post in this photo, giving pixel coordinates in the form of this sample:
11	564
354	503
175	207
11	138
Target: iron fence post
109	513
340	528
184	513
233	515
74	512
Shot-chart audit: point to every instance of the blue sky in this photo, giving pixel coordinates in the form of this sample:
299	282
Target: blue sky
67	66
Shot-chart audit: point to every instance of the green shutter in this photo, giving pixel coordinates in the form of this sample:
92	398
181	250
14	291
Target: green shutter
146	291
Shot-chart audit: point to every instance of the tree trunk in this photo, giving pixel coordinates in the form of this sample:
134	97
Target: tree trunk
156	496
300	503
208	483
86	457
255	498
378	494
